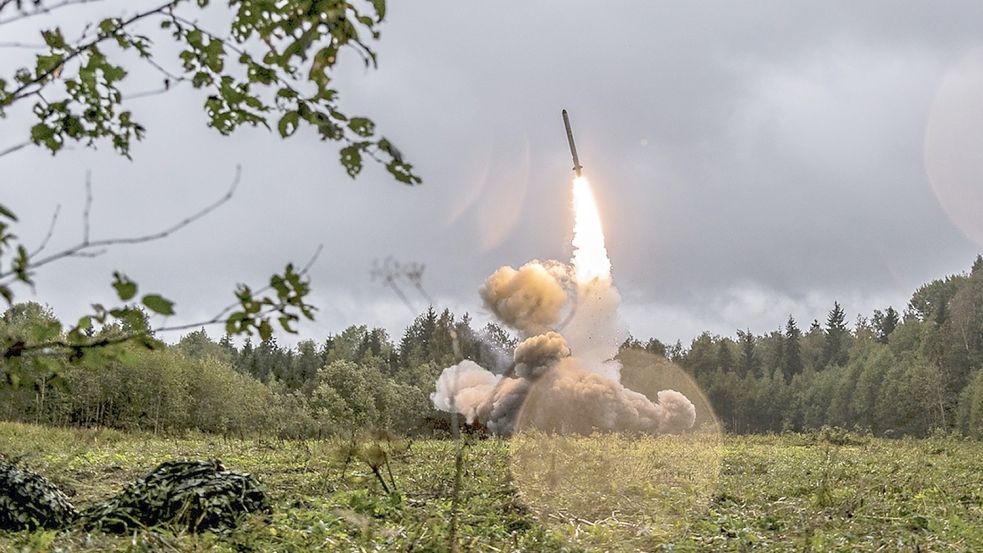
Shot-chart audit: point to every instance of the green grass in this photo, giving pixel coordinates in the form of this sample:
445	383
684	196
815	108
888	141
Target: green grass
782	493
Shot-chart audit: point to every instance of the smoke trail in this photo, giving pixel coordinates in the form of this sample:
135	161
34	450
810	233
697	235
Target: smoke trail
564	379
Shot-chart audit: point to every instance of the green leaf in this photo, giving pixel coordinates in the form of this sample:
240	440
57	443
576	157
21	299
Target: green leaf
54	38
7	213
159	304
84	323
265	330
41	132
125	288
362	126
288	123
109	25
134	318
351	159
47	62
380	8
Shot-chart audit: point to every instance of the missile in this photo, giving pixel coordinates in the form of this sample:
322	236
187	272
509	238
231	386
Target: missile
577	167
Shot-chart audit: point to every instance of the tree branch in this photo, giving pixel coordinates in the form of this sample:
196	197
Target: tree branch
90	248
40	10
218	318
23	91
18	349
22	45
51	230
14	148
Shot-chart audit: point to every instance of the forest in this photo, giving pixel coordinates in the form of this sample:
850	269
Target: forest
889	373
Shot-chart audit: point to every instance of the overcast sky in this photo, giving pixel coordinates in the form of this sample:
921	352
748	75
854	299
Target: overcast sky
751	161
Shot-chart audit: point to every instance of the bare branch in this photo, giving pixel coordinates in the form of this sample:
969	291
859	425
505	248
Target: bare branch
390	271
51	230
219	317
92	248
155	92
14	148
86	211
22	45
19	349
41	10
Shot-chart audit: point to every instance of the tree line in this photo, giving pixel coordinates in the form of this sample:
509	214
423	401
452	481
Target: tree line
890	373
359	378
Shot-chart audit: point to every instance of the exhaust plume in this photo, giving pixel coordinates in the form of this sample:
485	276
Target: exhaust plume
565	377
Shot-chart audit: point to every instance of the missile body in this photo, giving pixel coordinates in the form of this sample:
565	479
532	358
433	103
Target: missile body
577	167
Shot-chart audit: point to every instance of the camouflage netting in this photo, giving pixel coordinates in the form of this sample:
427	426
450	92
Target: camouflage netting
29	501
196	495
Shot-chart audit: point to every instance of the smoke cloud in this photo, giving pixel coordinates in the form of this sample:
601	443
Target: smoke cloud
462	388
565	375
530	299
536	355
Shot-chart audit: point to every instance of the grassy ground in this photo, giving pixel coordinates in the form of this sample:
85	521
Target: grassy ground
791	493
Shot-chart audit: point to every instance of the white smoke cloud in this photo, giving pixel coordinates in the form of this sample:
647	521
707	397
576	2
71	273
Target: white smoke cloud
462	388
679	411
572	399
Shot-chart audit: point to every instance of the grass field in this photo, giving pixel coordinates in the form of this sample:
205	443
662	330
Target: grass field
782	493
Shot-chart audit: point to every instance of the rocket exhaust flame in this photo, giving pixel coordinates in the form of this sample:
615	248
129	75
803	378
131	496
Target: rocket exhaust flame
590	256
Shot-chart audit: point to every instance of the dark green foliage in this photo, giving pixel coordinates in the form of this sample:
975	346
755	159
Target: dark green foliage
746	363
29	501
884	323
792	352
191	495
835	347
888	375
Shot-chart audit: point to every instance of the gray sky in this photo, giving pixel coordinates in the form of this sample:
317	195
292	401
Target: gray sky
751	160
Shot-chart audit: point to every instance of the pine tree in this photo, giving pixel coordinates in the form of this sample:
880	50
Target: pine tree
792	362
834	349
884	323
746	362
656	347
777	338
725	360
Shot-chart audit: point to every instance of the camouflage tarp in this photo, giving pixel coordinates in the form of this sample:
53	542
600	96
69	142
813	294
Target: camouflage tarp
29	501
194	495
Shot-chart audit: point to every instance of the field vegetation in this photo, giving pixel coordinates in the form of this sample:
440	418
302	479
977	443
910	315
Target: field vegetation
823	491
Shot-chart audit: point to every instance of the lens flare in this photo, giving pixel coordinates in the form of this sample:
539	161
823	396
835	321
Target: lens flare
590	257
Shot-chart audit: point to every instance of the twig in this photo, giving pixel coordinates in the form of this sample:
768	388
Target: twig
23	45
23	90
14	148
147	93
19	349
87	246
390	271
51	230
41	10
87	209
218	318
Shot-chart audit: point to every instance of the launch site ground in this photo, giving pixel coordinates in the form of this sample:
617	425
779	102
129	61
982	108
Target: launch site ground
829	491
